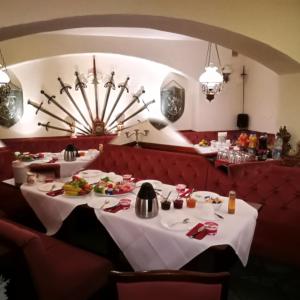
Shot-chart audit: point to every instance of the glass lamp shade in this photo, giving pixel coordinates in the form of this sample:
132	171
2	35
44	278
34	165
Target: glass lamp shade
4	78
211	81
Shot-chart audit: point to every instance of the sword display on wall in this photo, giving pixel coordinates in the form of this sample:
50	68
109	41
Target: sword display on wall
65	89
123	87
135	98
40	108
98	125
109	85
82	86
145	106
47	126
51	99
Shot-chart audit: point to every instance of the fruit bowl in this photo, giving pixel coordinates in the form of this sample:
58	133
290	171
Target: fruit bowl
77	187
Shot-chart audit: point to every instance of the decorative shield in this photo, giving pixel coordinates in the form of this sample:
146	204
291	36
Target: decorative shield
172	102
11	108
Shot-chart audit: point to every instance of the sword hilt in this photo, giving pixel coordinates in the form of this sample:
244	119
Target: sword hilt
79	83
124	85
145	105
44	125
38	107
111	82
50	98
64	87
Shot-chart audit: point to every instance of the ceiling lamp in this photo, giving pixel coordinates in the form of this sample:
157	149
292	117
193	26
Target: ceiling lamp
212	79
4	78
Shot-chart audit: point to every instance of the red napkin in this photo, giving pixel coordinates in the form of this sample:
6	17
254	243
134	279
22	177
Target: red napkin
185	193
122	205
55	193
195	234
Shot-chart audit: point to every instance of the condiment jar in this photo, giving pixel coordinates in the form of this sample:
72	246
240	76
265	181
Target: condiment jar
231	202
191	202
178	203
31	178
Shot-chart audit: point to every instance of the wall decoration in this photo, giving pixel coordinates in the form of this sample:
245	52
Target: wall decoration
88	124
172	100
11	106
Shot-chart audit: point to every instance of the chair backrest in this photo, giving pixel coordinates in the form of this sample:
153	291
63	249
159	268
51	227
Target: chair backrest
170	285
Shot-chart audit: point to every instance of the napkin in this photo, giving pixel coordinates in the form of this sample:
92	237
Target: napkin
186	193
122	205
195	234
55	192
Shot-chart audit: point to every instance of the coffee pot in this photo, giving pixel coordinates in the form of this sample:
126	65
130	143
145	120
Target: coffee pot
70	153
146	205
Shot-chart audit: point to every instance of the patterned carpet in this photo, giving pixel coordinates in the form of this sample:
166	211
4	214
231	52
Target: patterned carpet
262	280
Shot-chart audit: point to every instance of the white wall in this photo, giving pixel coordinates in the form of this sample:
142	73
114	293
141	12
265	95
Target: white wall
261	97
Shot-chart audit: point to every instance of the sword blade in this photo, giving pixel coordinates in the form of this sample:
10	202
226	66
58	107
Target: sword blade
110	84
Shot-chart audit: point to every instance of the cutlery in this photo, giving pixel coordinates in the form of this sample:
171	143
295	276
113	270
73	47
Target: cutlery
219	216
184	221
105	202
196	233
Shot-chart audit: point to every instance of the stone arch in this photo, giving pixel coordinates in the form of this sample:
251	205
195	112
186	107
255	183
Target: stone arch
263	53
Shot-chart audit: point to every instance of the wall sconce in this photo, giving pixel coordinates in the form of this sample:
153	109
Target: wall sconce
212	79
226	71
137	133
120	127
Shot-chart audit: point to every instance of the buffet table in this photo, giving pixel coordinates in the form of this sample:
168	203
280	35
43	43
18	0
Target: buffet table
151	243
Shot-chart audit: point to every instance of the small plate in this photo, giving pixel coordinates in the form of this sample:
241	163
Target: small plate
155	183
91	176
201	195
174	222
47	187
98	202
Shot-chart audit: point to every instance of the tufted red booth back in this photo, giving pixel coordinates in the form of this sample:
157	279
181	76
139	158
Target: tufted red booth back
6	158
168	167
55	144
277	188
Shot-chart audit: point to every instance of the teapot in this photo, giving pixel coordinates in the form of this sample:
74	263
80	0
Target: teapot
70	153
146	205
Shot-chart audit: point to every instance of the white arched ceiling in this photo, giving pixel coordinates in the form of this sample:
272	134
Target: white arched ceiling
257	50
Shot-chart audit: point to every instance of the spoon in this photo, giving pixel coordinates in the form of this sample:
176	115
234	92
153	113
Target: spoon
184	221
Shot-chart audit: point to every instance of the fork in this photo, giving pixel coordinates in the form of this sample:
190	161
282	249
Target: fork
184	221
198	230
105	202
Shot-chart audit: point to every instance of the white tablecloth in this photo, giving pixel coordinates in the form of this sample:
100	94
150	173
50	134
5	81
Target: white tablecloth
206	150
146	243
68	168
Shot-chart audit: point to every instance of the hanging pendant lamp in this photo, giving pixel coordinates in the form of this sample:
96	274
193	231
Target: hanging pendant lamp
212	79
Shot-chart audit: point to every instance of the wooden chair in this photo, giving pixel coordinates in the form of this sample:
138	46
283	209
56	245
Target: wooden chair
58	270
170	285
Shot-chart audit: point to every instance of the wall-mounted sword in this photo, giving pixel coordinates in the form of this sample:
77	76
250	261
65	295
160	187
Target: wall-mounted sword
47	126
109	85
65	88
81	85
135	98
40	108
123	87
51	99
98	126
145	106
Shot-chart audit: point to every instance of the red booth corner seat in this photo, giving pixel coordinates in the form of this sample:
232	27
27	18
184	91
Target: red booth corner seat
170	285
168	167
59	271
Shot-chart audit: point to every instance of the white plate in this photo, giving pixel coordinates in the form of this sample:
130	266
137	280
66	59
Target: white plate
98	202
174	222
113	176
201	195
47	187
91	176
155	183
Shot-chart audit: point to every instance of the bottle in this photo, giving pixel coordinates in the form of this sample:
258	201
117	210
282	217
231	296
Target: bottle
277	149
231	202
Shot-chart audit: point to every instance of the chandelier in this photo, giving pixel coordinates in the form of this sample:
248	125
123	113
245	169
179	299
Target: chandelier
4	78
212	79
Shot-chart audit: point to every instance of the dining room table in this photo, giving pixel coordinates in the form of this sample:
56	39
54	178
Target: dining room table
162	242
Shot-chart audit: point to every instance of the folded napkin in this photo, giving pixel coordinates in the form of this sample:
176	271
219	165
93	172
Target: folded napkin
122	205
197	232
55	192
186	193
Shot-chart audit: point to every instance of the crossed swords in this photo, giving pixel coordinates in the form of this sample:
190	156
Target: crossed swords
85	128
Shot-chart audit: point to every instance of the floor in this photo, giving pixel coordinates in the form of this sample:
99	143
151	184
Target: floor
262	280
